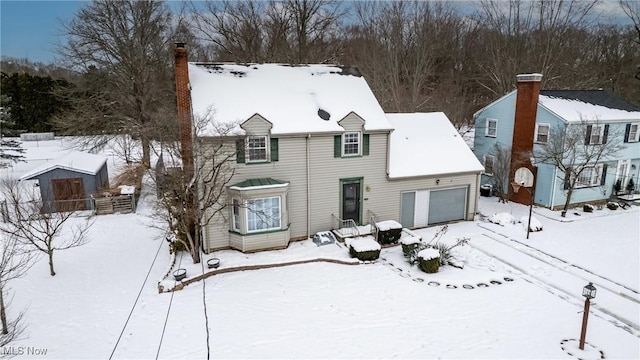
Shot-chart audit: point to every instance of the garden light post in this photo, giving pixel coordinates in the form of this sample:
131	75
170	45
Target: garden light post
589	292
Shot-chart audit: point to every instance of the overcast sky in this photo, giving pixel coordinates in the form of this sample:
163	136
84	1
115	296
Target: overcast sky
30	29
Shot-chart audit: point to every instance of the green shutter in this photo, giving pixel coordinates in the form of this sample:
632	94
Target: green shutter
365	144
240	151
274	149
337	146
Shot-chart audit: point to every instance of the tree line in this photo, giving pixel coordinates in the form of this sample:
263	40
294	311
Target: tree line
115	69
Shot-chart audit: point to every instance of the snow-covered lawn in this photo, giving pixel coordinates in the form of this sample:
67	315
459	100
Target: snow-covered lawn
515	298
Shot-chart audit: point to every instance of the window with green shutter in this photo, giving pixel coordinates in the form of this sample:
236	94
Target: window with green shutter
274	149
365	144
240	151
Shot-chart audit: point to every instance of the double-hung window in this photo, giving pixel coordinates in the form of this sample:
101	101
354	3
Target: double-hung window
589	176
351	144
257	149
491	128
633	130
542	133
263	214
488	164
597	134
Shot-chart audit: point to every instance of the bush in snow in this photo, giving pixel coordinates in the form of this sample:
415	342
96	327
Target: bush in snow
612	206
409	244
536	225
365	248
588	208
502	219
429	260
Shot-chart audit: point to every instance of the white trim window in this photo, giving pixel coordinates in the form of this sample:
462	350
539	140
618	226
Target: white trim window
634	131
542	133
491	127
597	135
263	214
590	176
236	215
257	149
351	144
488	164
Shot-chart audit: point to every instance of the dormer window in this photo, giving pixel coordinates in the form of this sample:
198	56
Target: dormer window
257	149
351	144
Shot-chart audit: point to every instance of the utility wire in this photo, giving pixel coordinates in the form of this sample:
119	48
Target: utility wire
206	317
166	319
136	302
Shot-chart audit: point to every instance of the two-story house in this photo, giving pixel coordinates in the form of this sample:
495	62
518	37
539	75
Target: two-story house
526	119
314	150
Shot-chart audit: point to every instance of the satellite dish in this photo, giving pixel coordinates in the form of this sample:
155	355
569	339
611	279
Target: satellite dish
323	114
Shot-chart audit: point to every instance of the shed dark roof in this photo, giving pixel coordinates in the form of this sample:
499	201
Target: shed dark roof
595	97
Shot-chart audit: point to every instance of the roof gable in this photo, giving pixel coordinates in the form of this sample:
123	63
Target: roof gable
295	99
74	161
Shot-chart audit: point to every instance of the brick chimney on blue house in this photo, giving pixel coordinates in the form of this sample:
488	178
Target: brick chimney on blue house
524	127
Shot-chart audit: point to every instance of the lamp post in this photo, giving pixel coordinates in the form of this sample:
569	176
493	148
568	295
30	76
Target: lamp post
589	292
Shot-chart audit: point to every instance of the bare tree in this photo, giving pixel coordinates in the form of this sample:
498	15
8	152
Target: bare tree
43	231
290	31
529	36
15	261
578	152
189	205
501	166
126	45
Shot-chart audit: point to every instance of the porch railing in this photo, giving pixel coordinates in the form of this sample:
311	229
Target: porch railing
346	226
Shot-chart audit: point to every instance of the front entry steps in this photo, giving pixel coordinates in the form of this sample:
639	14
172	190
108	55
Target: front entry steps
361	230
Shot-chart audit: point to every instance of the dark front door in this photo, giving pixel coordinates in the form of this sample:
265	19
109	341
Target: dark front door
351	202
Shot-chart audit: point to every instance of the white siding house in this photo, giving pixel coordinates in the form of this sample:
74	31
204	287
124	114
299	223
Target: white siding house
314	150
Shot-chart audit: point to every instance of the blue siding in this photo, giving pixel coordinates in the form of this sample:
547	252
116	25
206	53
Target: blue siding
550	181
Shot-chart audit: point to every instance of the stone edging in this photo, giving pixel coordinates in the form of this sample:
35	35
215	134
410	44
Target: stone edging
188	281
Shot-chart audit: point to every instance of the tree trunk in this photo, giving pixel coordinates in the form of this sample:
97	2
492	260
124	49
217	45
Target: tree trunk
3	314
146	152
53	273
567	202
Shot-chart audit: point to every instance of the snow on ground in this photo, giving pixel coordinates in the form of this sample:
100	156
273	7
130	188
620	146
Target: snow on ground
515	298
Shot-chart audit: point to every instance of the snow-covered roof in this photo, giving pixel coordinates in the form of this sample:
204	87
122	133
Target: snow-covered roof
578	109
428	144
288	96
74	161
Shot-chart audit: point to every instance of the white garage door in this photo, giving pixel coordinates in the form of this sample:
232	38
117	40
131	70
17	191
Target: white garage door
447	205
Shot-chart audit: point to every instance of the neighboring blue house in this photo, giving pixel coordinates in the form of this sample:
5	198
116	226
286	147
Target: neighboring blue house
524	119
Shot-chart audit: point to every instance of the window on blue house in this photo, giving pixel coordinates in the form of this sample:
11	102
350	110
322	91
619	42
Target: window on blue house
491	128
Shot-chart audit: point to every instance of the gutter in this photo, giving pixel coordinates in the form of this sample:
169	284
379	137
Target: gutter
308	139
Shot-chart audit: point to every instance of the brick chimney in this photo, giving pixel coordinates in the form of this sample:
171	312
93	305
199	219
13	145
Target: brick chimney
183	98
524	127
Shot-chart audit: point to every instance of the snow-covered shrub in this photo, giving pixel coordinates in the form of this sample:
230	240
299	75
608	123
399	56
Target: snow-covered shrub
429	260
365	248
502	219
409	244
588	208
612	206
536	225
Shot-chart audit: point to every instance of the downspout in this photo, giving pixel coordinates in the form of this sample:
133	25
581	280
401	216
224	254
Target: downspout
553	186
308	187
